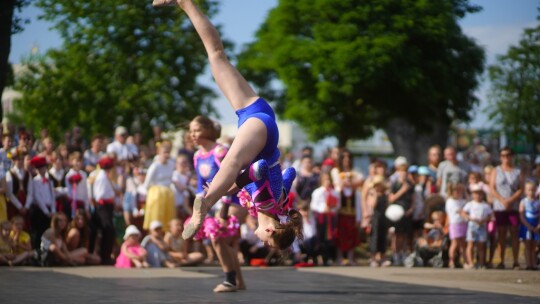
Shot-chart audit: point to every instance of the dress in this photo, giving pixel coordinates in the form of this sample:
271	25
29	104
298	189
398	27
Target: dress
532	210
349	214
123	261
160	198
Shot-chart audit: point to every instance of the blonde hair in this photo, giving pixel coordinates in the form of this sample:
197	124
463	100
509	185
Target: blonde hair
164	144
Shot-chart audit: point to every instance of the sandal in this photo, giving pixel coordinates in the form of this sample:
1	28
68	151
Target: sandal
225	287
191	229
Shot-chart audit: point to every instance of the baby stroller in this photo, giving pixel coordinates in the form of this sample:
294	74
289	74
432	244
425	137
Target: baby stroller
429	255
431	250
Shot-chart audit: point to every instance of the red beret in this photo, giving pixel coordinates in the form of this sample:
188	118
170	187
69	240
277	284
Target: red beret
106	163
38	162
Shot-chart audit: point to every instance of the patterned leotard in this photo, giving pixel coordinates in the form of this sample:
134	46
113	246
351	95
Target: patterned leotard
207	165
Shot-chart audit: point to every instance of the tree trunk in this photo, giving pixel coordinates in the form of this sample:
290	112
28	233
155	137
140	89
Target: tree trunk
408	142
6	21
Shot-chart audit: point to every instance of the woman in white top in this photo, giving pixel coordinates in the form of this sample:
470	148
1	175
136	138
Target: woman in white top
160	198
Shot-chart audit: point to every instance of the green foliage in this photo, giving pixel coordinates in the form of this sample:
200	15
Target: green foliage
515	88
122	62
18	22
348	66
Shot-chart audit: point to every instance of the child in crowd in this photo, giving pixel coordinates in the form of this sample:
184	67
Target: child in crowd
180	180
433	237
160	198
76	183
250	246
11	252
307	250
378	224
17	183
457	224
57	176
20	240
176	247
40	200
78	237
134	197
325	203
103	193
53	245
401	193
478	213
529	212
156	247
419	176
131	252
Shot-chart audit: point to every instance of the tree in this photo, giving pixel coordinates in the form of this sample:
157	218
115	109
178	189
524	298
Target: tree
10	24
515	89
348	67
122	62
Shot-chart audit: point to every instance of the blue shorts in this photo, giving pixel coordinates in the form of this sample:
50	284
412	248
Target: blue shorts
476	233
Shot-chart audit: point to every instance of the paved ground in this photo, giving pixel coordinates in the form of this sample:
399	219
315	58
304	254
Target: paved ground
268	285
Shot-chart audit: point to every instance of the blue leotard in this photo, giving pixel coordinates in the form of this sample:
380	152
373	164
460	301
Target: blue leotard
261	110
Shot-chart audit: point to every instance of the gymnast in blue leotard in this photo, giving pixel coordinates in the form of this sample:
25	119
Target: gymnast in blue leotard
257	139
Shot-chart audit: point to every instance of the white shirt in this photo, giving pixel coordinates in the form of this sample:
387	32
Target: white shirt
81	193
91	158
9	187
477	210
452	208
180	195
318	200
102	188
41	193
159	174
122	151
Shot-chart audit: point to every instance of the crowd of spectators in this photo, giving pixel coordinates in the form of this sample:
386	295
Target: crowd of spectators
117	201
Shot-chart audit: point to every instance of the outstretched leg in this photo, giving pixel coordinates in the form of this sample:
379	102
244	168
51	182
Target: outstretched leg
233	85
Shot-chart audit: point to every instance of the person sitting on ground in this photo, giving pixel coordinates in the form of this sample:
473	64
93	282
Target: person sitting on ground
156	247
78	236
53	245
20	240
132	254
177	249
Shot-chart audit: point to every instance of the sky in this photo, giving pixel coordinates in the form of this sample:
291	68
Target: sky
496	27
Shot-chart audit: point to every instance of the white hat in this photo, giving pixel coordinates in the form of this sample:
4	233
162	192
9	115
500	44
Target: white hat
400	161
130	230
155	225
120	130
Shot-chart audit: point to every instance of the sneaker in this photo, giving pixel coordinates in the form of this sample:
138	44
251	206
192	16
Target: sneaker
515	266
500	266
374	264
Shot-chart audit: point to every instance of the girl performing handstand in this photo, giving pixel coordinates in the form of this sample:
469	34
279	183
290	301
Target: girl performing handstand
257	139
